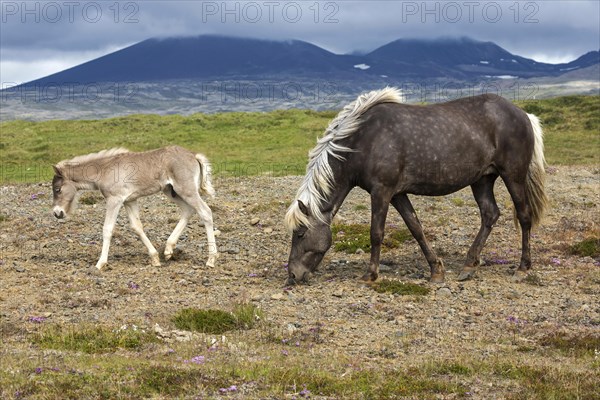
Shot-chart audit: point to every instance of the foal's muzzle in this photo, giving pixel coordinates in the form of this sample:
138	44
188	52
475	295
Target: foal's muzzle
58	213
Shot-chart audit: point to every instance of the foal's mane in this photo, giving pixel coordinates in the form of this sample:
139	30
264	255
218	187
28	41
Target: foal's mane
91	157
318	181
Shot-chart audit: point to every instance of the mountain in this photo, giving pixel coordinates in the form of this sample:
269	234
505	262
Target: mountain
220	58
206	56
464	58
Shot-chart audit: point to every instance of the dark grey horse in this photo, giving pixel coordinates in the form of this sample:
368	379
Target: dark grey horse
391	150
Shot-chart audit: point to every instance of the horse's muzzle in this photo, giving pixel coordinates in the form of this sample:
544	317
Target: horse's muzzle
60	214
293	280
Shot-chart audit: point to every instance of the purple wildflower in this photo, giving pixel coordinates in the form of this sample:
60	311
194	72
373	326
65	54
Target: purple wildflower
252	275
231	388
33	197
555	260
36	320
285	352
38	370
304	393
198	360
133	285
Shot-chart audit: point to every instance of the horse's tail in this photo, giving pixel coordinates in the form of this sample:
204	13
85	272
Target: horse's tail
536	175
205	174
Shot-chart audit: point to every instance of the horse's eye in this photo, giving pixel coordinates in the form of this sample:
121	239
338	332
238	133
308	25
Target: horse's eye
57	190
301	234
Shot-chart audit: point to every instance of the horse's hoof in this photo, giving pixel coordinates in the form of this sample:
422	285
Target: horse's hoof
100	265
168	256
370	277
437	278
466	274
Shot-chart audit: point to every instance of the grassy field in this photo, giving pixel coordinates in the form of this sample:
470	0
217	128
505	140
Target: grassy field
241	144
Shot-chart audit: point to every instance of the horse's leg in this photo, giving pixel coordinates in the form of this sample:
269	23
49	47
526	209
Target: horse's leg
133	211
379	210
406	210
483	191
186	214
523	210
113	205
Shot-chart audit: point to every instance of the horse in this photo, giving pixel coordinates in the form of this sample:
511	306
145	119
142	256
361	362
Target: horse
391	150
123	177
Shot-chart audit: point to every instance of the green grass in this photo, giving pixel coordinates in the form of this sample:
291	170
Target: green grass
573	344
351	237
242	144
238	144
92	339
217	321
571	125
400	288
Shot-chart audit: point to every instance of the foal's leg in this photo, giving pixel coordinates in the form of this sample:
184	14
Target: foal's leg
379	210
113	205
186	213
193	199
519	198
483	191
406	210
133	211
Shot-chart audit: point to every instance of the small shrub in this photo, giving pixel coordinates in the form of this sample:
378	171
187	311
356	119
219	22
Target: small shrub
589	247
400	288
217	321
360	207
533	279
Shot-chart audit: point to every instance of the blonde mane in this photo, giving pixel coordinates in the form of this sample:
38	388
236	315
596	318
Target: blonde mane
92	157
318	181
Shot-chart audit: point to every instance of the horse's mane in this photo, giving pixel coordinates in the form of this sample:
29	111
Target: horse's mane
91	157
318	181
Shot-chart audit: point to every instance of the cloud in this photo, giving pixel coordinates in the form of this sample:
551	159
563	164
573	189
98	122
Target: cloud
37	37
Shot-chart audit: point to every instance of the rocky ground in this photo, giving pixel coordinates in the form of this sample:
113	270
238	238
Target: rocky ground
44	270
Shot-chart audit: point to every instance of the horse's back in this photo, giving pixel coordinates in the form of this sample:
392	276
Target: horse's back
440	148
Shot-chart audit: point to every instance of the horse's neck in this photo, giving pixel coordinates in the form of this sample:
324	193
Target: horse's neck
88	175
341	188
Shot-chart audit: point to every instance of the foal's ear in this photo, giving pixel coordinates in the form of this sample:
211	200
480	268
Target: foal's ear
57	171
303	207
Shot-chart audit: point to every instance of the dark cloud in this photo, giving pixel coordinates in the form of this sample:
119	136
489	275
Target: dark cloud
41	30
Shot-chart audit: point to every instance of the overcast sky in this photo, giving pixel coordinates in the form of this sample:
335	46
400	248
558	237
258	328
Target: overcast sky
38	38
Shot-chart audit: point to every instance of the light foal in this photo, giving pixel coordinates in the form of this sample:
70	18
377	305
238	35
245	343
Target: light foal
123	177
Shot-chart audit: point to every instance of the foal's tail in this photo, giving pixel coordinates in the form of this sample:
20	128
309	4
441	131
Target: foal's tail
205	172
536	175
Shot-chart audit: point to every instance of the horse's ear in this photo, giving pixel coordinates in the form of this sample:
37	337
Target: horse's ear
57	171
303	207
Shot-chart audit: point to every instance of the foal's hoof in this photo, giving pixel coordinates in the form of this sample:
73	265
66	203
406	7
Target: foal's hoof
370	277
154	260
168	256
466	274
211	260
